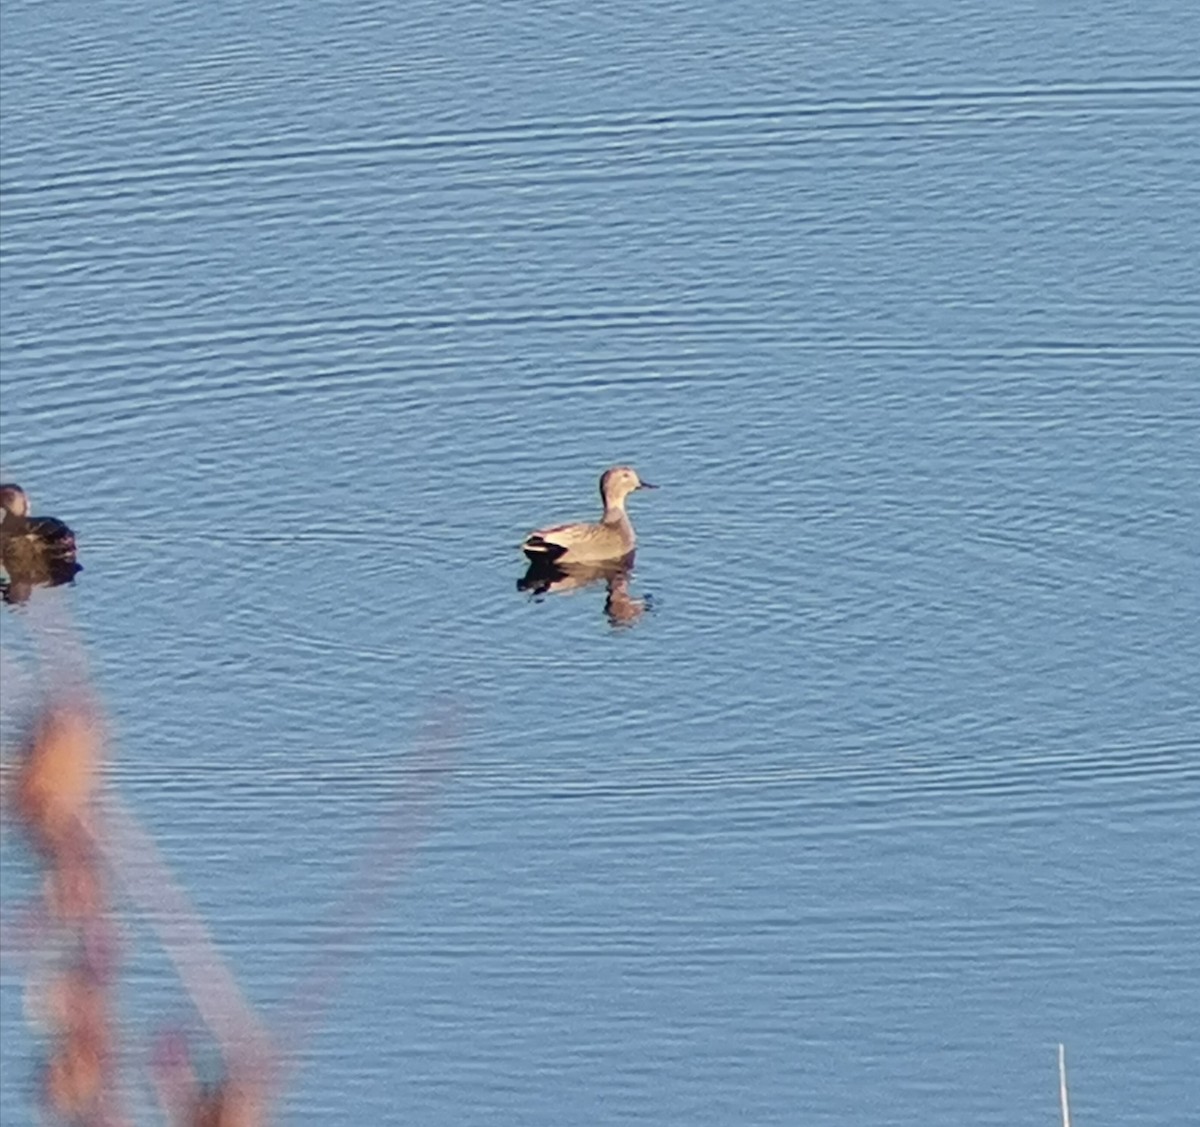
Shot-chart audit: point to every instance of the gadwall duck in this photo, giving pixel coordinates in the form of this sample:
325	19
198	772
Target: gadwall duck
33	549
609	538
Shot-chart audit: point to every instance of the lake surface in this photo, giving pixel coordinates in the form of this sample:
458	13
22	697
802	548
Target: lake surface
309	313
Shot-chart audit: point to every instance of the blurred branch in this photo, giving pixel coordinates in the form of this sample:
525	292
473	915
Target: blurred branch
84	839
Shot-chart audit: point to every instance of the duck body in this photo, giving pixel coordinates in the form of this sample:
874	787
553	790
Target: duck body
49	534
610	538
582	543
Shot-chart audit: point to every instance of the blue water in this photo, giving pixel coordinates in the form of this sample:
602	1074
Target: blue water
309	313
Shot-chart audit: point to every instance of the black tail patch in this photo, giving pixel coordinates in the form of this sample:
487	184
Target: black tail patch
537	548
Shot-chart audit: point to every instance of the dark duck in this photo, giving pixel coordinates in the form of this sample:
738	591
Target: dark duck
33	550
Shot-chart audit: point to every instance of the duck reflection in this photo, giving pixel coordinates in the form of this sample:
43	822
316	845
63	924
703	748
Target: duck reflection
621	608
34	551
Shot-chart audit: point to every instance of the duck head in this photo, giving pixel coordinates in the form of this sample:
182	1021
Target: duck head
617	483
14	501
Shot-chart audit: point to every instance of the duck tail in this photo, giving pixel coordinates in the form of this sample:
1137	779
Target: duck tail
538	547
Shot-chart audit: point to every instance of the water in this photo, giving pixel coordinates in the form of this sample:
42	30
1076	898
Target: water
309	315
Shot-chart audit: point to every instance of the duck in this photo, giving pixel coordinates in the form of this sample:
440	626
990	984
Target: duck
35	549
610	538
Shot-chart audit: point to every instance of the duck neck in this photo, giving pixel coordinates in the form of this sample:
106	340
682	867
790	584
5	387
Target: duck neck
614	511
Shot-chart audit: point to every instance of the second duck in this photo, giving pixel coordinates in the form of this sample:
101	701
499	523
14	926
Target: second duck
34	551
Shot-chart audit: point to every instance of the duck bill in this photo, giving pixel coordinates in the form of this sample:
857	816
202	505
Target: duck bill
647	485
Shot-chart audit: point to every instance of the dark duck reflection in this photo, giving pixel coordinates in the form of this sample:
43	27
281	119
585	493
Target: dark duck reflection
34	551
621	608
